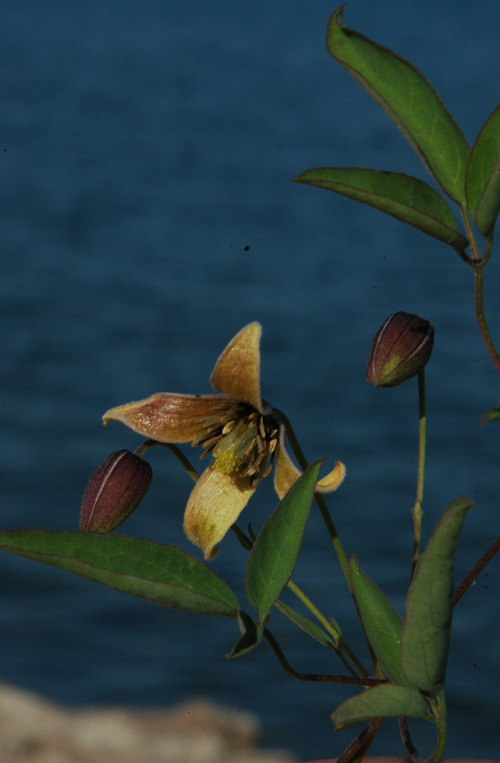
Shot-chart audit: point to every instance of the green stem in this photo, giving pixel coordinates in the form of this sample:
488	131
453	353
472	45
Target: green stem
332	531
323	677
334	537
417	511
476	255
331	629
441	729
320	617
488	251
438	717
481	316
478	264
343	650
142	449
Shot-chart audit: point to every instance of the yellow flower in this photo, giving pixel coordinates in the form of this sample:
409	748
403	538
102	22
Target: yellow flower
236	427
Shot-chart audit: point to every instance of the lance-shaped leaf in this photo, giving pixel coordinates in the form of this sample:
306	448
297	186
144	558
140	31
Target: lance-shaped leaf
251	636
307	626
275	551
483	175
384	701
429	605
401	196
163	574
409	100
382	624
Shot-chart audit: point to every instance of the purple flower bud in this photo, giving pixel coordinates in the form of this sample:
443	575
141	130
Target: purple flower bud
399	350
114	491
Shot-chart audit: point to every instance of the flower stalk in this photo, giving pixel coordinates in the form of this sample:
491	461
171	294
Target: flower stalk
417	511
325	513
322	677
177	452
342	649
481	316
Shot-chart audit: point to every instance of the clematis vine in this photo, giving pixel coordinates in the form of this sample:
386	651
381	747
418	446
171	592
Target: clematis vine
237	428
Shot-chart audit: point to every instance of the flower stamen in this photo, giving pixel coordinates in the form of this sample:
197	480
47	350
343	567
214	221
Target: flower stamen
241	439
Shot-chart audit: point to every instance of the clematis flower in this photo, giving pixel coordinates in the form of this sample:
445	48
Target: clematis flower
237	428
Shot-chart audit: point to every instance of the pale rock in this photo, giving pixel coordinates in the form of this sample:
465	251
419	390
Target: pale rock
35	730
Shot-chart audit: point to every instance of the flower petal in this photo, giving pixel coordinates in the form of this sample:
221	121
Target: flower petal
214	505
332	480
237	372
167	417
286	473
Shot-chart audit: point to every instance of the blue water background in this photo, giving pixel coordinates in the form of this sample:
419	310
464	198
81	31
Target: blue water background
147	214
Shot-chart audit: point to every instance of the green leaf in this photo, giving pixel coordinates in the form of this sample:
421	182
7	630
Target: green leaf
406	198
429	605
409	100
251	636
275	551
384	701
483	176
307	626
382	624
163	574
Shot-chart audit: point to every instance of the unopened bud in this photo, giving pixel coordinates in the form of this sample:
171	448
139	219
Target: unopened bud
114	491
399	350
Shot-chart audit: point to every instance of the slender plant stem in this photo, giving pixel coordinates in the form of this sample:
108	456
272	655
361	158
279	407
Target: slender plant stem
148	444
327	625
408	741
242	537
478	264
488	251
342	649
334	537
439	719
418	507
471	576
358	748
322	677
303	463
441	729
476	255
330	629
481	316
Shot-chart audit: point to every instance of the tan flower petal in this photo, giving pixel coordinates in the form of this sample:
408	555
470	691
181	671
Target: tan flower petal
286	473
237	372
331	481
214	505
165	417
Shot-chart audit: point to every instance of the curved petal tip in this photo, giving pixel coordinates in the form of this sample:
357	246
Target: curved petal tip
333	480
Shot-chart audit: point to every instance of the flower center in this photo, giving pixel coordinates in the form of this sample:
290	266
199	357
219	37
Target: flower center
242	440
